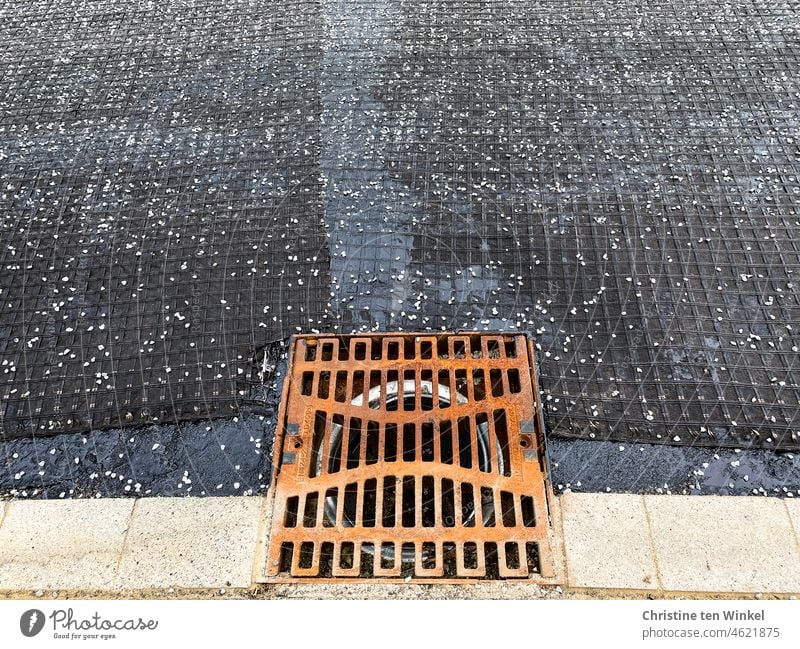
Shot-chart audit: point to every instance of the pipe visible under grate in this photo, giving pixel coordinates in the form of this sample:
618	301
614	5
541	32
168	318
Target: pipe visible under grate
410	456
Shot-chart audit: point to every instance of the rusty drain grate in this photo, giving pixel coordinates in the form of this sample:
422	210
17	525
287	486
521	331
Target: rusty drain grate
410	456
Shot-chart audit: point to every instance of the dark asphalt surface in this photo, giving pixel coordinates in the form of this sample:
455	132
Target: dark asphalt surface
214	458
227	458
233	457
181	184
579	465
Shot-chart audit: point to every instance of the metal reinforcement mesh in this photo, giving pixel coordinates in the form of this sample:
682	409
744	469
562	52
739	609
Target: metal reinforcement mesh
159	204
617	178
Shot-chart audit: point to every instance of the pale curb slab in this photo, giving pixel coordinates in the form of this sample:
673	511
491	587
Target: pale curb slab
724	544
606	540
191	543
658	544
62	543
793	506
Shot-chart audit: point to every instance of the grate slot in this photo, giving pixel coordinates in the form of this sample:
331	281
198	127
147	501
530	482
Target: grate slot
368	516
392	378
305	559
346	559
326	560
286	557
373	443
426	347
409	503
528	515
310	350
389	501
478	385
444	398
471	559
428	398
468	511
340	390
360	351
390	443
409	442
376	380
350	515
331	446
430	512
330	511
427	446
318	444
307	384
498	425
290	519
445	441
488	507
487	443
448	515
389	564
507	509
463	386
311	510
357	386
429	559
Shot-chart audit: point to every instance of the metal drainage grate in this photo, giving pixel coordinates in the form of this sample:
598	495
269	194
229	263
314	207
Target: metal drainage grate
410	456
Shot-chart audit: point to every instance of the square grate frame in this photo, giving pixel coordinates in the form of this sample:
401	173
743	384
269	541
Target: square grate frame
427	488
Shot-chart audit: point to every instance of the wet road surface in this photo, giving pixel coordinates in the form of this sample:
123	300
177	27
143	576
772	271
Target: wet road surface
182	184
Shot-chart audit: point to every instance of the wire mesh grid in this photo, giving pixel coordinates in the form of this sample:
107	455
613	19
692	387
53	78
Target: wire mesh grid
618	178
160	203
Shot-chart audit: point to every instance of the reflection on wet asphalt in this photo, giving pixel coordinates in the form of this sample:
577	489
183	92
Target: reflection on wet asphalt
215	458
580	465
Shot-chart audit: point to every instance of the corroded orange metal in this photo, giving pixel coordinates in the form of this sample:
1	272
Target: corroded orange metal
410	455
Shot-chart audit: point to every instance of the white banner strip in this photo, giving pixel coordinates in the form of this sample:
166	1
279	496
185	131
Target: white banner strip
400	624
